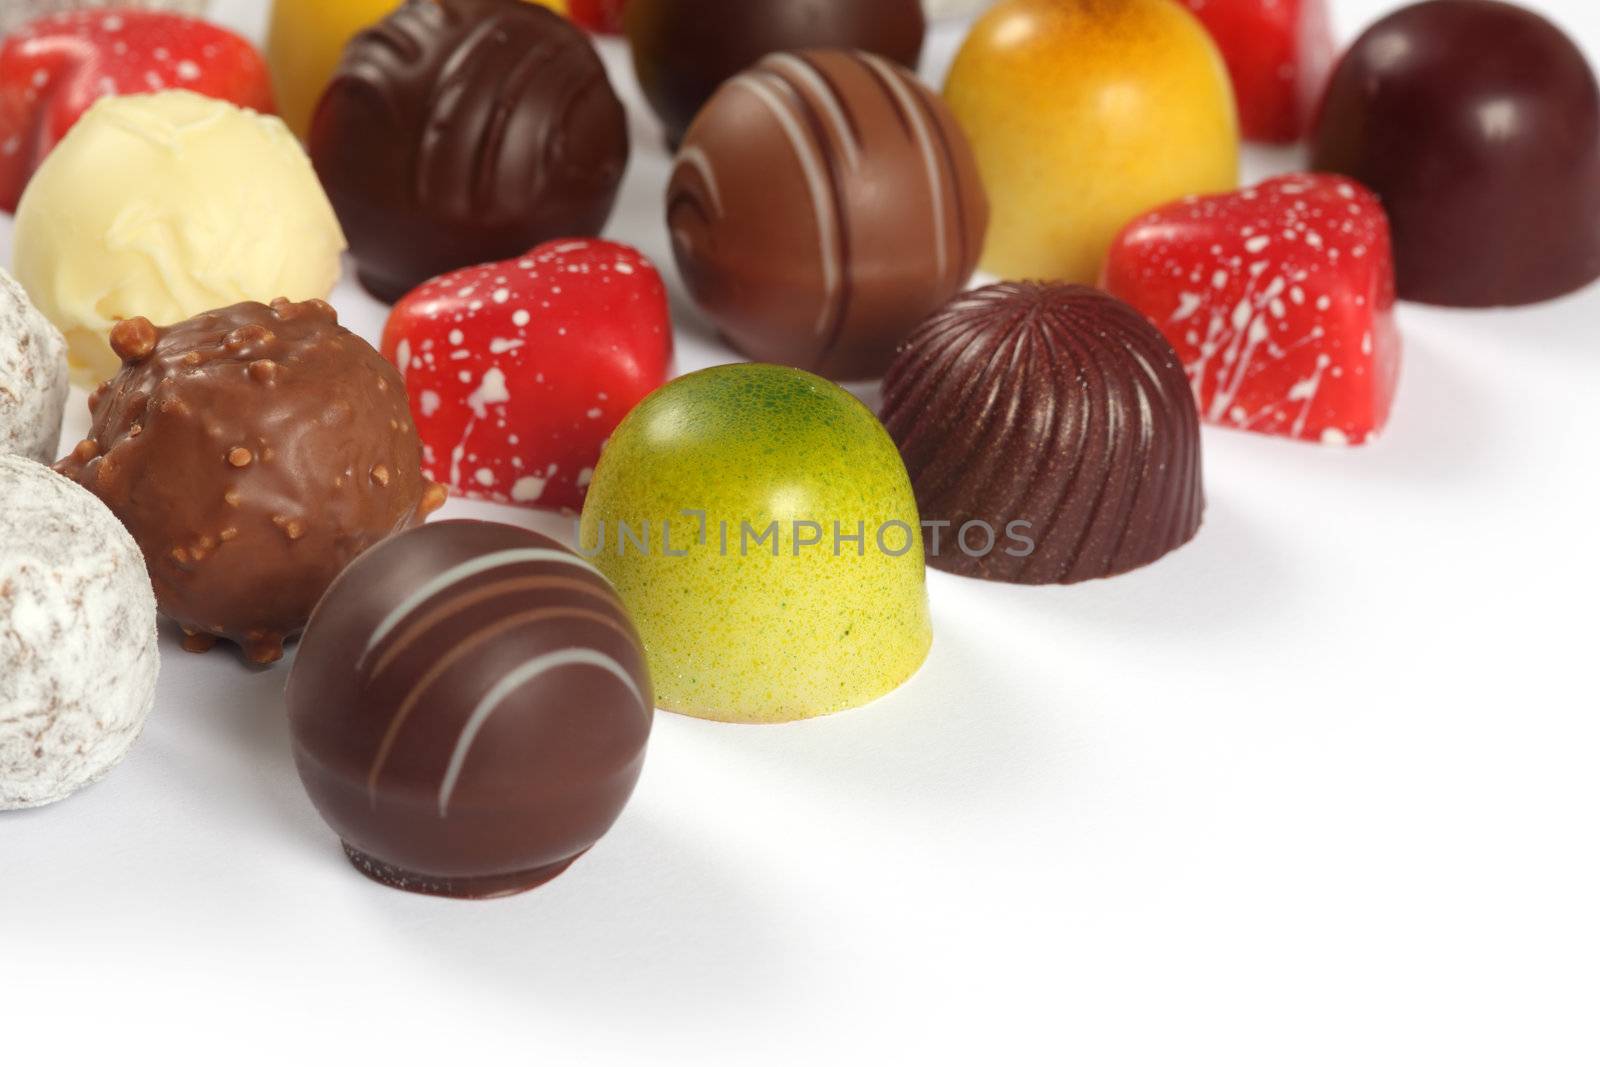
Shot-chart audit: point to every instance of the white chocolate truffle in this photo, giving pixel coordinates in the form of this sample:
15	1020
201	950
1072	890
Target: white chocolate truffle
167	205
33	377
14	13
78	656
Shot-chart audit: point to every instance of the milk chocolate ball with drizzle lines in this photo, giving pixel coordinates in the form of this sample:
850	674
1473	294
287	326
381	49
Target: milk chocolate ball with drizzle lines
822	204
470	709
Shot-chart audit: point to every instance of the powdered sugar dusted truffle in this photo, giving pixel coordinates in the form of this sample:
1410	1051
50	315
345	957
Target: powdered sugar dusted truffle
33	376
78	658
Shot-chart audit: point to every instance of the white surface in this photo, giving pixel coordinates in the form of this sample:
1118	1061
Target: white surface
1318	789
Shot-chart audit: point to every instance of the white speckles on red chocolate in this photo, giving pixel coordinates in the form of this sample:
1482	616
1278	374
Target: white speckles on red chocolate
1279	300
519	370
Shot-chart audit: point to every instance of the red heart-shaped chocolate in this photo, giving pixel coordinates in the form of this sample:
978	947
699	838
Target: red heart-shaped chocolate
53	69
519	371
1278	299
1279	53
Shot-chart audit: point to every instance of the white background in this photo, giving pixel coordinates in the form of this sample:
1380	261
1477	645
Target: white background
1320	788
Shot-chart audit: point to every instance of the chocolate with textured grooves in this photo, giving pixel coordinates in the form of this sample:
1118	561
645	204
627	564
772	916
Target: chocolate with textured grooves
252	452
470	709
1057	406
459	132
821	206
684	50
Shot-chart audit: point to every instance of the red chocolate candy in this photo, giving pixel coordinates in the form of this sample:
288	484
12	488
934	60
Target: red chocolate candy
519	371
602	16
1278	299
1279	53
53	69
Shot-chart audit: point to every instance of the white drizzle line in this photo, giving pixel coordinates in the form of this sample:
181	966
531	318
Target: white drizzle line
919	122
821	199
461	573
695	158
829	100
510	684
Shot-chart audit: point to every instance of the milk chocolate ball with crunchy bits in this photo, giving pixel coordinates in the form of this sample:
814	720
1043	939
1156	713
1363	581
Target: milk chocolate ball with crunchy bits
253	452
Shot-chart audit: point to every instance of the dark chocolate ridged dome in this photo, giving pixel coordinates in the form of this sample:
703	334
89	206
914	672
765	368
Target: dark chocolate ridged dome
1054	405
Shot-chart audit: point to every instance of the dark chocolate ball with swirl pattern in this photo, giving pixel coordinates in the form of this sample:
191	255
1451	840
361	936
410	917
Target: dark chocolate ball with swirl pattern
821	206
1052	428
470	708
458	132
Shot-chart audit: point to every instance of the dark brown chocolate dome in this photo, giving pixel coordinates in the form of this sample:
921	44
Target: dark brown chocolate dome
1051	414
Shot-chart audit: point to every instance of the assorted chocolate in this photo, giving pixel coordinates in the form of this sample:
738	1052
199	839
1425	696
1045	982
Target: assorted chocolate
519	371
684	50
471	702
1279	299
78	658
461	132
1049	432
822	204
470	709
1478	125
253	452
33	377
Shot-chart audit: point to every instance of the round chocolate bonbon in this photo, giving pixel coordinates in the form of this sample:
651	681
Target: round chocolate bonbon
1050	435
461	132
211	204
78	657
1478	125
822	205
253	452
470	709
33	376
683	50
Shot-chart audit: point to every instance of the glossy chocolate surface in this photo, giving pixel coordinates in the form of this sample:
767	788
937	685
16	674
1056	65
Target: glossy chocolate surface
683	50
1053	406
461	132
1478	124
822	205
252	452
470	708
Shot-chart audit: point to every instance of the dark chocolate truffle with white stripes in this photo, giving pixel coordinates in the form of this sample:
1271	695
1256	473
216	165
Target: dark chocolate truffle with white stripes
824	202
470	707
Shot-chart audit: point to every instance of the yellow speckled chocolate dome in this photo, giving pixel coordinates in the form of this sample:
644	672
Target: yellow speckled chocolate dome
768	609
